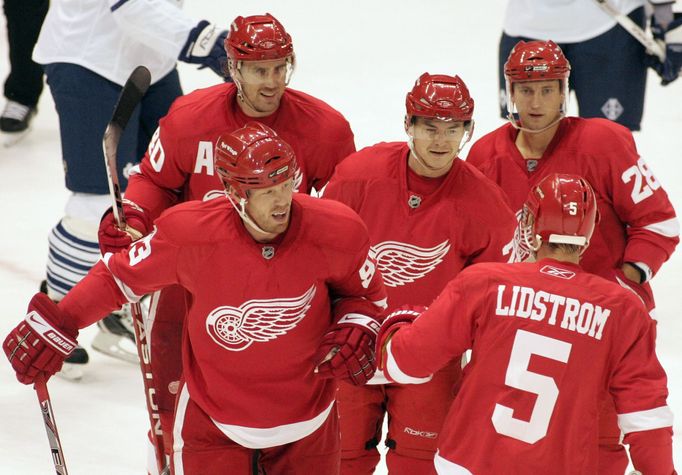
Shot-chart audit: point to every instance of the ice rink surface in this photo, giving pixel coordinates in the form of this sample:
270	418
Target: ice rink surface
362	58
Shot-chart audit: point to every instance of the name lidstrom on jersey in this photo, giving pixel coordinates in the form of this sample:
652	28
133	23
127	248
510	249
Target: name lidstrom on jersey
257	321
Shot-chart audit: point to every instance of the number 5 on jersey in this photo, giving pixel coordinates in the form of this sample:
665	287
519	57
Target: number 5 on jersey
527	344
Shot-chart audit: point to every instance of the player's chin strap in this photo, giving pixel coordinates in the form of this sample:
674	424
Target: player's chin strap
241	209
420	160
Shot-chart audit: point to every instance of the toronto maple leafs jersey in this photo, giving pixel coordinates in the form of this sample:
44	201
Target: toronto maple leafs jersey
258	311
547	339
420	242
179	159
112	37
637	221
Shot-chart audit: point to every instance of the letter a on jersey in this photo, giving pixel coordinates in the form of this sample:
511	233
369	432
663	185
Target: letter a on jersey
256	321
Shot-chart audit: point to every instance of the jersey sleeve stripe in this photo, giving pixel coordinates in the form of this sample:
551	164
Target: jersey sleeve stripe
646	420
668	228
445	466
396	374
127	291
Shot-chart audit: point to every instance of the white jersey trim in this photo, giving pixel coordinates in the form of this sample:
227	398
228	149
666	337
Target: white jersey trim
252	438
127	291
178	423
668	228
646	420
445	467
396	374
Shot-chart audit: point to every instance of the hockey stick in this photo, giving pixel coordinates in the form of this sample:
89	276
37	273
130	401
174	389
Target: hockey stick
634	29
50	425
135	87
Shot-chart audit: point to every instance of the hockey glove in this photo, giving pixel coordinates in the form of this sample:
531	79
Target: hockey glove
347	350
400	317
112	239
41	342
204	46
643	291
671	36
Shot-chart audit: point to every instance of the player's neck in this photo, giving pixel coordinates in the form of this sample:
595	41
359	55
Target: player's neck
533	145
545	252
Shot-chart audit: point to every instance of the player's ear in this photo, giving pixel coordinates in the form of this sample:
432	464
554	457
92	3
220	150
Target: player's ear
409	126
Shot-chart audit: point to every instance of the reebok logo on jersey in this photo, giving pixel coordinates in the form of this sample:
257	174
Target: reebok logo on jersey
558	272
401	263
257	321
421	433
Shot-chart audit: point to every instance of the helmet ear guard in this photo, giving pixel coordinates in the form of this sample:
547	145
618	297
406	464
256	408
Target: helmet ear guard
560	209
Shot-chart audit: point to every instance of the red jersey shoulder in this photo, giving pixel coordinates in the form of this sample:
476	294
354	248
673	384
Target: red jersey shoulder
197	222
314	116
472	185
207	103
597	136
491	145
375	161
329	223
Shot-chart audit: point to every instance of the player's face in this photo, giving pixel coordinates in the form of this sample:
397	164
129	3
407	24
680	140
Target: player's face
262	83
270	209
538	102
437	143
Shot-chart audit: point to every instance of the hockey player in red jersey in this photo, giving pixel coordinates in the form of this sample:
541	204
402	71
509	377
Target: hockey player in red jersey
284	299
638	230
178	165
429	215
547	337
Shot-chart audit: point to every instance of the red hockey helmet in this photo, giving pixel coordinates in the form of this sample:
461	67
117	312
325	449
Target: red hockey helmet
536	61
257	38
560	209
441	97
253	157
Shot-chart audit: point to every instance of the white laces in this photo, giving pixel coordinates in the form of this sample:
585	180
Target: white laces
14	110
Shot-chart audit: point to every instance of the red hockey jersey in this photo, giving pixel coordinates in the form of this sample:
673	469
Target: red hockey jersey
258	311
638	222
421	242
547	338
179	160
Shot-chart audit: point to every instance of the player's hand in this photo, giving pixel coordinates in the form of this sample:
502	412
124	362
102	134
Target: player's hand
641	291
112	239
205	47
400	317
671	38
347	350
41	342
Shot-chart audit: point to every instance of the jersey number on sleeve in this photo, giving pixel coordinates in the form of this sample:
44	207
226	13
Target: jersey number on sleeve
141	249
527	344
641	191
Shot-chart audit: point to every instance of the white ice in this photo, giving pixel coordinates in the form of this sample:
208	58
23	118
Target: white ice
361	57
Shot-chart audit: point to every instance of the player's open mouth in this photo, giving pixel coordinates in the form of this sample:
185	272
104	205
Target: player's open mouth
280	216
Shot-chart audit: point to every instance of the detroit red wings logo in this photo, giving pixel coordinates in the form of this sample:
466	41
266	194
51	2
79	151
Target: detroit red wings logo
401	263
257	321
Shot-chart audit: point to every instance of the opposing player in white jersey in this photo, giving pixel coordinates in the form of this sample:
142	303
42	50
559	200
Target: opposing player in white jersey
285	299
429	216
178	165
547	338
88	48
